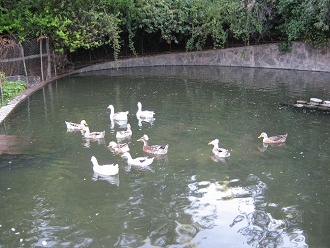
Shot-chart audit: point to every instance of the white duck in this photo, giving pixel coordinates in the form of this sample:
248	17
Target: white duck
140	161
119	116
219	152
107	169
145	114
125	134
93	135
118	148
76	126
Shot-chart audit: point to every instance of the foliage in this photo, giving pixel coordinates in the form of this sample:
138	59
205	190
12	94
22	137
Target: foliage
193	24
306	20
284	46
11	89
69	24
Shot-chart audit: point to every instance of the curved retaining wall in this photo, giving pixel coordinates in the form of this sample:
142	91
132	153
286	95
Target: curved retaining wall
302	57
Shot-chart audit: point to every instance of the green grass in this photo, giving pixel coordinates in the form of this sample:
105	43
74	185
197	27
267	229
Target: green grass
10	90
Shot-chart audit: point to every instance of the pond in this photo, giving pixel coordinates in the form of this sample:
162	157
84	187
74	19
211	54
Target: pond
275	196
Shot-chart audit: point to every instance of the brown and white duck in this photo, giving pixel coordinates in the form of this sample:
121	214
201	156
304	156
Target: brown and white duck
154	149
273	139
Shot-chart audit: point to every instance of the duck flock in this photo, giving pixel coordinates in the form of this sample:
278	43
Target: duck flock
122	149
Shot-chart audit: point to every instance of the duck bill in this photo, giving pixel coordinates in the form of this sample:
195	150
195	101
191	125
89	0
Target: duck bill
210	143
139	139
260	136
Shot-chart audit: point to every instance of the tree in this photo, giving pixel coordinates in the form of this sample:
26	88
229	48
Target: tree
306	20
69	24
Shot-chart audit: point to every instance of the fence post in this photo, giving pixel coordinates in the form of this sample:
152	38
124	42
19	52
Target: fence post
2	75
41	63
49	64
23	58
54	62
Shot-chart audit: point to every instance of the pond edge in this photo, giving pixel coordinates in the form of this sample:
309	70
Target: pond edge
302	57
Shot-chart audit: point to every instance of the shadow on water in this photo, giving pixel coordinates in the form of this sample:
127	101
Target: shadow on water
261	196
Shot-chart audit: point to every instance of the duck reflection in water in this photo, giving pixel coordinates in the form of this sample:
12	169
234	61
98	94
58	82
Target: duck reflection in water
158	156
110	179
120	123
265	146
148	120
128	168
219	159
87	142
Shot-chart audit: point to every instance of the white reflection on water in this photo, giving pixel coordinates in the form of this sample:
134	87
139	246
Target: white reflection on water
87	142
217	207
110	179
146	121
119	123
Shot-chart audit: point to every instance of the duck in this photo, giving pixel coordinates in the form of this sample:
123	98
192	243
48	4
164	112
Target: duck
118	148
119	116
273	139
154	149
145	114
93	135
76	126
139	161
219	152
125	134
107	169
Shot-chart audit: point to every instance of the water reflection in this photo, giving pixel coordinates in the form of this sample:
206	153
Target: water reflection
211	203
265	146
185	232
148	121
110	179
272	197
119	123
87	142
220	159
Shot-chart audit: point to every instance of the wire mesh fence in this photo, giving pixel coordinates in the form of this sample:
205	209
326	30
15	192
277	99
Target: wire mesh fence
32	60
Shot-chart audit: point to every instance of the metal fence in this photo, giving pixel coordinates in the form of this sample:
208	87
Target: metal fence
32	60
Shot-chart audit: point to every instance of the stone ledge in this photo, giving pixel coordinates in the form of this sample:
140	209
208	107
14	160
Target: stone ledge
302	57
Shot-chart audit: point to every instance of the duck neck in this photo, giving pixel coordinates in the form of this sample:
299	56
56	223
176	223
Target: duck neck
129	158
112	114
139	110
145	143
95	163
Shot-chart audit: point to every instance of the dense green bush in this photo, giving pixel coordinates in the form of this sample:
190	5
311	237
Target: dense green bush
190	24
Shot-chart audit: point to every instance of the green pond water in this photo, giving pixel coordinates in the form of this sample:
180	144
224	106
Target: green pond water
275	196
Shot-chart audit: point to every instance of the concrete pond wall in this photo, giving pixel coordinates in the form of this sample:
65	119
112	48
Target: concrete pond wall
301	57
